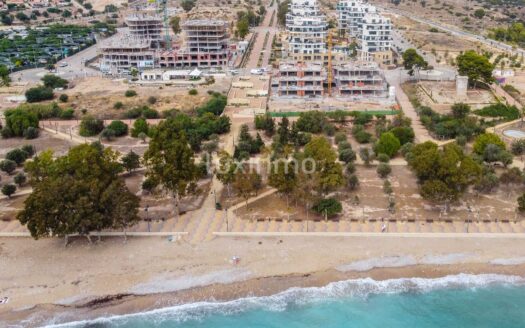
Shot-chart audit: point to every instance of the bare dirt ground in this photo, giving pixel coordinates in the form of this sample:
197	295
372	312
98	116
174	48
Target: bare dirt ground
444	46
453	12
98	96
440	96
373	202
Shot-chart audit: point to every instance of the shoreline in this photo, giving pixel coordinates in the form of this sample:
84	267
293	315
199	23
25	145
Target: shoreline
130	304
48	283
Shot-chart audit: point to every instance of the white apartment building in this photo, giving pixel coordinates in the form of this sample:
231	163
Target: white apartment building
376	37
307	28
351	13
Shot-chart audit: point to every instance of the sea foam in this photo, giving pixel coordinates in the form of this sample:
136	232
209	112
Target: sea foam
360	288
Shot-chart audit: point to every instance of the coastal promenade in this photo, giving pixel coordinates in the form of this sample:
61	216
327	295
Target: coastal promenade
203	225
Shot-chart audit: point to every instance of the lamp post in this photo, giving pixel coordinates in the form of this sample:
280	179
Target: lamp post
147	219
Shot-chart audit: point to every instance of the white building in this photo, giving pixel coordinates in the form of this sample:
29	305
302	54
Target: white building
350	14
307	28
376	38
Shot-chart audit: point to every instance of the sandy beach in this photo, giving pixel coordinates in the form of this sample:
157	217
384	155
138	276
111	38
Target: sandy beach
46	282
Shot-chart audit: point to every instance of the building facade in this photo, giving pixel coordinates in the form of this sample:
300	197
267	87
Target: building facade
307	28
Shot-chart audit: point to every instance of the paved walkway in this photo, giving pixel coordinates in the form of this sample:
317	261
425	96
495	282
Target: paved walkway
259	46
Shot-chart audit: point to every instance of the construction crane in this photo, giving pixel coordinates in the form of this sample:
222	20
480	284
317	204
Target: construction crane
162	8
330	72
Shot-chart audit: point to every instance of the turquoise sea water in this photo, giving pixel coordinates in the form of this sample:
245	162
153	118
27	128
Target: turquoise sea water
452	301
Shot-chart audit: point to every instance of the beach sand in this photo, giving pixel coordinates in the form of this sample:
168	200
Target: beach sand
44	280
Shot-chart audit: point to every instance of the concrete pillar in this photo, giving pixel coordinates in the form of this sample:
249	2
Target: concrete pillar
461	86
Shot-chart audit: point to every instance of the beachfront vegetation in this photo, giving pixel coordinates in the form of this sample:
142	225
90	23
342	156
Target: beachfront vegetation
170	160
443	174
78	193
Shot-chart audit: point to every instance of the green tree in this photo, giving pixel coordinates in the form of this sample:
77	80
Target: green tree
8	190
311	121
90	126
283	178
366	156
8	166
387	144
413	62
20	179
404	134
170	161
226	170
460	110
521	203
353	182
18	120
38	94
328	207
4	76
246	182
120	128
80	192
187	5
347	155
243	27
479	13
443	175
175	24
139	126
485	139
131	161
383	170
54	82
476	67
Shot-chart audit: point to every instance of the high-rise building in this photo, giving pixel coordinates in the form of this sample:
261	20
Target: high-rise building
350	16
307	28
376	38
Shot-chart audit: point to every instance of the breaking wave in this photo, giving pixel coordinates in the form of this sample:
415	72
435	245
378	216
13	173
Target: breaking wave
354	288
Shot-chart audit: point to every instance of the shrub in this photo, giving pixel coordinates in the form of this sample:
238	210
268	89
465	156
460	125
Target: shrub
52	81
499	110
17	155
118	105
353	182
8	166
149	184
37	94
350	168
347	155
67	114
90	126
29	149
403	134
139	126
18	120
328	207
339	137
383	170
344	145
108	134
485	139
215	105
193	92
6	132
130	93
152	100
387	144
31	133
63	98
363	137
150	113
120	128
383	158
20	179
8	190
329	129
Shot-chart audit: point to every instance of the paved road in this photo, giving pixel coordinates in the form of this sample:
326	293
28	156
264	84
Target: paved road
259	46
75	68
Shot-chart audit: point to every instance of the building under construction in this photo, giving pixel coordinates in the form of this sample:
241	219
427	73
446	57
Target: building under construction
142	45
350	79
205	45
318	62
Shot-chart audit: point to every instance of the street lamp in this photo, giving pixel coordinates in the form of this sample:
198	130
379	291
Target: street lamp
147	219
